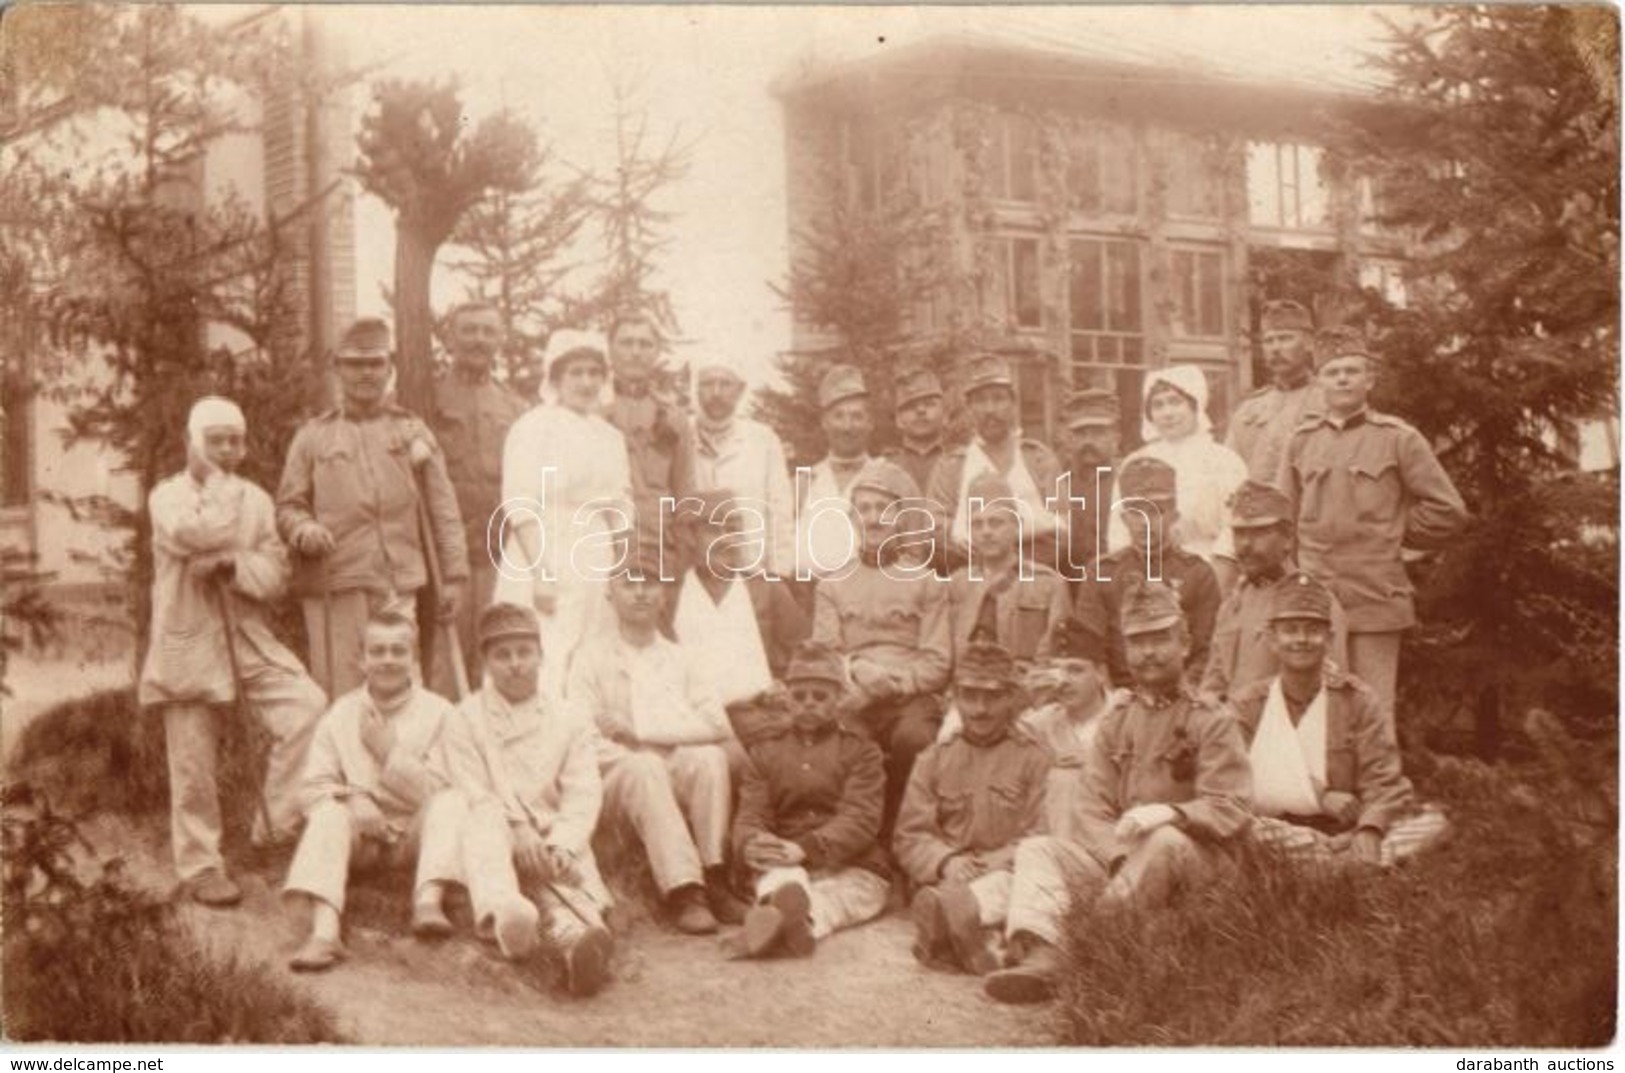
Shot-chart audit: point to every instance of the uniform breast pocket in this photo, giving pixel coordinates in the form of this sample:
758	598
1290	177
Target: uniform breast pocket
1313	496
335	480
1376	489
1005	803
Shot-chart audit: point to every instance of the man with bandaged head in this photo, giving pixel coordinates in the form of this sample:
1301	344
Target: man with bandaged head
348	506
214	544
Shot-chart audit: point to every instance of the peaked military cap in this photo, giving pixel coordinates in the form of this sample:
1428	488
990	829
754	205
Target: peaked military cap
508	620
985	665
814	660
916	384
367	337
1299	595
1092	406
1286	316
989	370
886	477
1257	505
1340	342
841	383
1148	478
1149	607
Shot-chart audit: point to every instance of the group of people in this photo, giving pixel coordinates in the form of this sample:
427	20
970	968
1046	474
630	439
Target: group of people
982	675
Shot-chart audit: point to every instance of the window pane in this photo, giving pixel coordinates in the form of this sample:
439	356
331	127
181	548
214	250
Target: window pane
996	289
1133	352
1083	173
1022	147
1312	193
1123	286
1212	294
1182	289
1263	185
1025	300
1086	289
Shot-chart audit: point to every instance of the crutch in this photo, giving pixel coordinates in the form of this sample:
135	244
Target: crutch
251	722
448	628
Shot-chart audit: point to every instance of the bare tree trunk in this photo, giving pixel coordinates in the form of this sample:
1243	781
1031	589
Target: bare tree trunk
414	320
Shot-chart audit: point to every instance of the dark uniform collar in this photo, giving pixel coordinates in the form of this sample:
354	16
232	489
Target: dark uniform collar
1354	420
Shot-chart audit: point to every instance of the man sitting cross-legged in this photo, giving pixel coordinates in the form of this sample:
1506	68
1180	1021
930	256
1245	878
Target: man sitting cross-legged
528	765
809	816
1165	791
663	748
377	793
969	802
1327	783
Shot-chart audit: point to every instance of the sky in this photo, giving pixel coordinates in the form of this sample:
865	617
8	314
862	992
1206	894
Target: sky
704	73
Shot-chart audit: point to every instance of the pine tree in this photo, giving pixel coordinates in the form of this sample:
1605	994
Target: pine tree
1498	149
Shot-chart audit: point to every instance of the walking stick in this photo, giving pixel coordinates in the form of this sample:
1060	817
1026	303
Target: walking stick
327	628
251	722
431	555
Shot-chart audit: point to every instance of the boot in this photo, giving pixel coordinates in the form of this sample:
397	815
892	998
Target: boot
724	906
689	912
931	943
1034	974
215	889
514	925
429	915
587	963
966	935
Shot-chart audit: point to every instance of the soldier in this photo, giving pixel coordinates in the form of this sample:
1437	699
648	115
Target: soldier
989	599
970	801
349	505
1327	783
663	749
734	452
826	531
216	563
1165	794
1096	444
998	447
471	417
889	617
1150	509
809	819
919	417
377	794
1366	489
1241	652
1263	423
656	432
528	766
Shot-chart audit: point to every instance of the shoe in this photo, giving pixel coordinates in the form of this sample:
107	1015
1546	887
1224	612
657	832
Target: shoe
429	920
931	942
1033	979
688	910
317	955
214	889
795	911
587	964
764	926
723	905
965	933
514	924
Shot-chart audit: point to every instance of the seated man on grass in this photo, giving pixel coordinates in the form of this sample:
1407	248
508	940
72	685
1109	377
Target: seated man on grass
1327	784
664	740
969	802
809	817
377	794
528	766
1164	794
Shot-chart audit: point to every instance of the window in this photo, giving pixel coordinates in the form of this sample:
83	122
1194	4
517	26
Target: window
873	160
1014	293
1013	173
1197	292
1102	174
1285	187
1194	178
1103	298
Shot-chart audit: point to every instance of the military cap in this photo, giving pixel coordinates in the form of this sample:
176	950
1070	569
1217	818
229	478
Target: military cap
508	620
1298	595
566	345
814	660
1257	505
887	477
1149	607
989	370
1092	406
841	383
916	384
1148	478
1285	316
1340	342
986	665
367	337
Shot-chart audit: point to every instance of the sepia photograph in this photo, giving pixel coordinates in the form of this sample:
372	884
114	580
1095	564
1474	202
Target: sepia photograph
809	527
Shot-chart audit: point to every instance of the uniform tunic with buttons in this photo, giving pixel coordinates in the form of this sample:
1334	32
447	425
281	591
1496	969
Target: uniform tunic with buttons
1362	488
471	420
1024	613
1098	606
917	463
1241	652
1180	751
900	623
1263	425
968	798
821	790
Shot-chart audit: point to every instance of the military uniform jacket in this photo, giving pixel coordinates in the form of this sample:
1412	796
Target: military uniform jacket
899	623
1361	489
944	491
1241	652
1263	424
471	420
1024	613
1098	605
917	464
1182	751
356	478
1362	756
823	791
968	798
